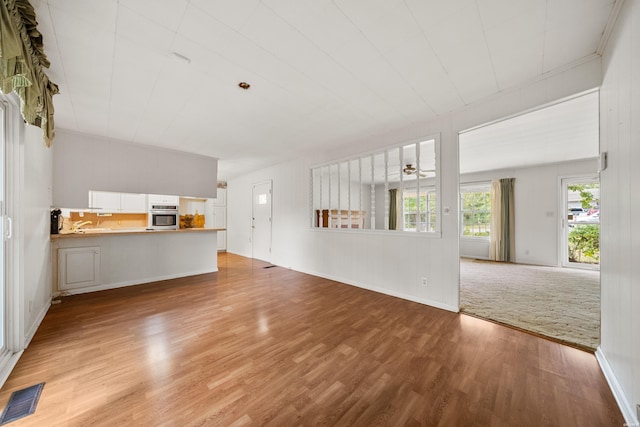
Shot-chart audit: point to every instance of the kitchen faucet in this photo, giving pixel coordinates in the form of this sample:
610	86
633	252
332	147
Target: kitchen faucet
76	225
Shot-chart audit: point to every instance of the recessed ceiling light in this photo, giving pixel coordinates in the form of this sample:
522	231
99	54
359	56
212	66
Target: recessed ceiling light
180	58
244	85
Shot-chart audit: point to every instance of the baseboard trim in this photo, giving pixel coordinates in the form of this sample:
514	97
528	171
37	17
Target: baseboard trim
8	367
385	291
389	292
238	253
34	328
618	393
13	359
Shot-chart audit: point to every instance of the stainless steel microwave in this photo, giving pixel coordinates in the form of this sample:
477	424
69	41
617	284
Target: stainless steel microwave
163	217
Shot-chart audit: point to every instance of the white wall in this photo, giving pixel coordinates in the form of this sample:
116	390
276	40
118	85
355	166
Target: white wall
82	163
537	200
35	227
620	205
390	263
370	259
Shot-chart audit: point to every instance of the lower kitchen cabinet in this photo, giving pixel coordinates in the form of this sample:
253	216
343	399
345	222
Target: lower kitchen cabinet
89	262
78	267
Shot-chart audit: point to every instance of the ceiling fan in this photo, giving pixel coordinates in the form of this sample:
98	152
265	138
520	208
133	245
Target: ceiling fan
409	169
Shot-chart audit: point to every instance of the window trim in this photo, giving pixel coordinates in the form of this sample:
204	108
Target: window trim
428	193
475	187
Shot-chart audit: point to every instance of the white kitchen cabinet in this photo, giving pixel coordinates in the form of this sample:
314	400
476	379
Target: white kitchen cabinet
105	201
160	199
110	202
133	203
78	267
215	216
219	217
221	199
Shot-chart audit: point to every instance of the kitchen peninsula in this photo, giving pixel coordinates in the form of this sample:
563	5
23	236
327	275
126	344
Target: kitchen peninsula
97	259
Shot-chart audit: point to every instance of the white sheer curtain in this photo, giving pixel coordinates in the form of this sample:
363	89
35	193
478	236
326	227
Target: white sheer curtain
503	247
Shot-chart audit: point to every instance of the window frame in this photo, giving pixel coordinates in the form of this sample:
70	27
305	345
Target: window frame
366	162
479	187
429	194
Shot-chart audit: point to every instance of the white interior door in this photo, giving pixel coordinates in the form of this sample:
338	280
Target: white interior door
261	221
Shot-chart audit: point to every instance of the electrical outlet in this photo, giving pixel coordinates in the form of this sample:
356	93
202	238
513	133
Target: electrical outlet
30	306
423	282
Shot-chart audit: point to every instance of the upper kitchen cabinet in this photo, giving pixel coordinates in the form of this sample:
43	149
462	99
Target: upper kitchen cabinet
104	200
221	198
133	203
109	202
160	199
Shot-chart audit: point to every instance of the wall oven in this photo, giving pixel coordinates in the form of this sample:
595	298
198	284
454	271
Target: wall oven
163	217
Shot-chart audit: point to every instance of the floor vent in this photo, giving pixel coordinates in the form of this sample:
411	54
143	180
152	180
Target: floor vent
270	266
21	403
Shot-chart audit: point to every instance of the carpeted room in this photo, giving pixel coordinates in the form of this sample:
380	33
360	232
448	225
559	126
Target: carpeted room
544	154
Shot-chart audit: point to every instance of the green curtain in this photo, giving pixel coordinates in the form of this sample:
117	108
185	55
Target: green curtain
503	246
22	60
393	209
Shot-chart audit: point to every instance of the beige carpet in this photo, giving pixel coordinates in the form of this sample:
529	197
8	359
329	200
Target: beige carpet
561	303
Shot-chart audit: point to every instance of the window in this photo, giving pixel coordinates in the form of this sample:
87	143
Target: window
475	209
426	210
394	189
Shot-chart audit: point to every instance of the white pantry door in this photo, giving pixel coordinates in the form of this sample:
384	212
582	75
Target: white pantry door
261	221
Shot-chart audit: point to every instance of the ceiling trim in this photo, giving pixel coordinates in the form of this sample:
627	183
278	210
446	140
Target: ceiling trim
530	110
608	29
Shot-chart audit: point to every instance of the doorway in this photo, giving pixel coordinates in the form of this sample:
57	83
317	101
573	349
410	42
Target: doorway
261	221
580	227
541	149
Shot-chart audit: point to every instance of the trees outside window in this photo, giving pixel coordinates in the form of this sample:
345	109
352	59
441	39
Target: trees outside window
427	210
584	233
475	206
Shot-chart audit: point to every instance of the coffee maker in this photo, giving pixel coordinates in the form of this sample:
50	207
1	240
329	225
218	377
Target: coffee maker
56	221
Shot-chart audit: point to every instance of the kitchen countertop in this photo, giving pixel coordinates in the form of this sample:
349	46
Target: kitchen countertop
88	232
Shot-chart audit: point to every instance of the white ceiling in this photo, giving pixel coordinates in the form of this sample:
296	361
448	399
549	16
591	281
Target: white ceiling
323	73
562	132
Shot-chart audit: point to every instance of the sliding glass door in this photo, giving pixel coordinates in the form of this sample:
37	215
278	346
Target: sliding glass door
581	222
4	352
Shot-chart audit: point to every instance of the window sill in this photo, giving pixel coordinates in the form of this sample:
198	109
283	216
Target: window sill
369	232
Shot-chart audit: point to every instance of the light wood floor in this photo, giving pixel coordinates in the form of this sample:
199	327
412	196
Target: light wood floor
249	345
